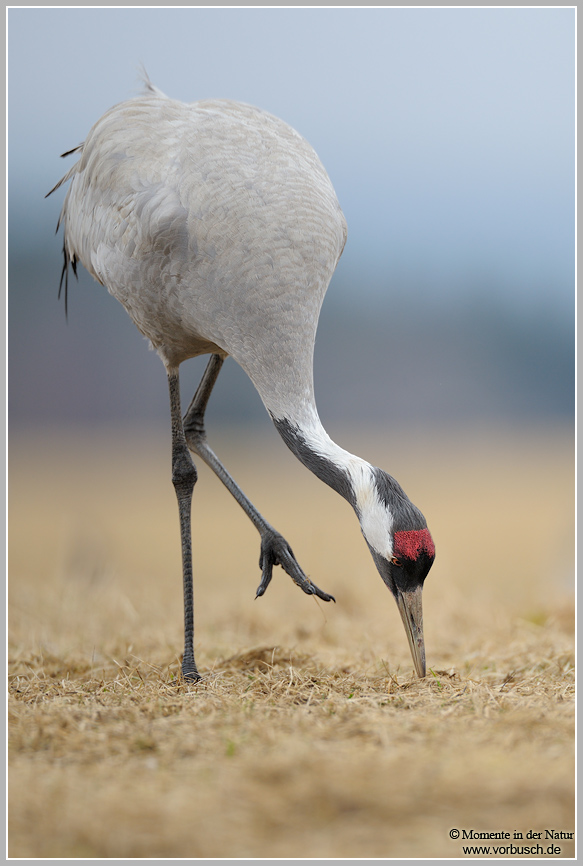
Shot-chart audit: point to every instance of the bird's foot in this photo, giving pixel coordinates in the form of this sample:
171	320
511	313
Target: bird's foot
189	670
276	551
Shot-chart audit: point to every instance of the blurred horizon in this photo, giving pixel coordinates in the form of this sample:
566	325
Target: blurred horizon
449	137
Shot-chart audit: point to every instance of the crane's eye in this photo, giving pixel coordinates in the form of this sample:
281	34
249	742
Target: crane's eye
396	561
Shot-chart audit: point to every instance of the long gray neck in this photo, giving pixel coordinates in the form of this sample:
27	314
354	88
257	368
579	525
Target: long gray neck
306	438
379	501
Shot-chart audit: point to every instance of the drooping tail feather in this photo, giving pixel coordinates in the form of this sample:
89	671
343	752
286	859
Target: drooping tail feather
67	260
64	281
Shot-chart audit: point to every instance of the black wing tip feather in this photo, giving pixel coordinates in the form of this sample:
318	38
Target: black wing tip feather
68	175
64	281
73	150
51	191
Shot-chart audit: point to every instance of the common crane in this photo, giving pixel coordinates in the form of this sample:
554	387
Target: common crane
216	226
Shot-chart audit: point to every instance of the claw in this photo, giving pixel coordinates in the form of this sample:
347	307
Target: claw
311	589
265	579
276	551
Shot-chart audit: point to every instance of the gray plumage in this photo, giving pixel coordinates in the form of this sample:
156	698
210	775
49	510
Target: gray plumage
188	228
216	226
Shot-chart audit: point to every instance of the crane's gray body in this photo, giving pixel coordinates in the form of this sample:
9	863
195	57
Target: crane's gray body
216	226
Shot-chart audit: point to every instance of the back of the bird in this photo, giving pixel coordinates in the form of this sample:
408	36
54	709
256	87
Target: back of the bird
216	226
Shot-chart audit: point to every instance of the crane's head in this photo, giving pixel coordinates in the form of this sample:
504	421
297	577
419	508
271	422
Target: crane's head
394	529
402	549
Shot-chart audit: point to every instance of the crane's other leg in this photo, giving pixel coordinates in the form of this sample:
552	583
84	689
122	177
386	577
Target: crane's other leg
274	548
183	478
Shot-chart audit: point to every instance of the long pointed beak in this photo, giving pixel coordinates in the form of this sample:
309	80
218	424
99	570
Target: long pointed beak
411	610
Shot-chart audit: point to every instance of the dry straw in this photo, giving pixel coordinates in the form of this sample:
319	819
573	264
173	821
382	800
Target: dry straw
309	735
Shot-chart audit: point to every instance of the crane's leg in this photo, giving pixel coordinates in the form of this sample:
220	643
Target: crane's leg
184	478
274	548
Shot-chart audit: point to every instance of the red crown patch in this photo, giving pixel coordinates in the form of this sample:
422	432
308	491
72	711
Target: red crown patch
412	542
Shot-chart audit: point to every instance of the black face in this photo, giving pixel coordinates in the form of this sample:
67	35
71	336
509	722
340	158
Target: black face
413	548
403	574
405	569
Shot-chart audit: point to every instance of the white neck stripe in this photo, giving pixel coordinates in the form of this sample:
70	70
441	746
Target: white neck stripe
375	518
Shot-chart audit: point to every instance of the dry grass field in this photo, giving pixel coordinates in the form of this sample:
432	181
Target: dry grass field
310	735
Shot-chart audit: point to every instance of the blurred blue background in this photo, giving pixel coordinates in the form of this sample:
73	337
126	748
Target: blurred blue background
449	137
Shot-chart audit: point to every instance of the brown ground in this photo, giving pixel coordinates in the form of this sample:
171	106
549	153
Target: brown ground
310	735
